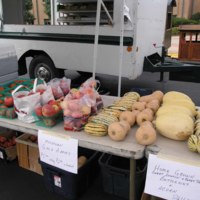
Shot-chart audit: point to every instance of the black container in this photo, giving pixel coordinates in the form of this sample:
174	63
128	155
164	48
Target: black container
115	173
68	184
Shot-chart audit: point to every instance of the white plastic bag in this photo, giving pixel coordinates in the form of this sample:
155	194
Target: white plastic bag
25	102
44	90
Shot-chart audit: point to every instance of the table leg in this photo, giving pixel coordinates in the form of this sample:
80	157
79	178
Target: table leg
132	179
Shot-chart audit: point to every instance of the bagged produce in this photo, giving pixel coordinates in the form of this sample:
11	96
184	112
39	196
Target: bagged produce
45	91
90	88
56	89
25	101
76	109
65	85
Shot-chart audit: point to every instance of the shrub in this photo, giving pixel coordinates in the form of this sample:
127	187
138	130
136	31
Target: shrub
196	17
182	21
175	31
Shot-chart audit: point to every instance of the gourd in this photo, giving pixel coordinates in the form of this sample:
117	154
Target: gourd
146	134
148	110
126	125
127	116
176	126
182	102
142	117
174	95
81	161
117	131
138	106
153	105
158	95
170	108
146	98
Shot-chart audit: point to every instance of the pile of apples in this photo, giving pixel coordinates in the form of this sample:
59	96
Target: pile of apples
7	107
7	142
49	113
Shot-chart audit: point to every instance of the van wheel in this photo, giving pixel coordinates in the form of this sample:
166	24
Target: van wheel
42	67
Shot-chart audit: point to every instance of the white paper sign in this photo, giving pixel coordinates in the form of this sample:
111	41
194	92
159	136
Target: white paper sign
172	180
58	151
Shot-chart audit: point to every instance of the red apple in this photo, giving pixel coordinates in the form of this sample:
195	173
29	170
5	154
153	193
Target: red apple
51	102
48	110
38	111
8	101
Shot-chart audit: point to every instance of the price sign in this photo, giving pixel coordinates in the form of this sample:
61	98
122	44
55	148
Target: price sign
172	180
58	150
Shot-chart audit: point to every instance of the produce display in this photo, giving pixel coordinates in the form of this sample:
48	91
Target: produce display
173	115
107	120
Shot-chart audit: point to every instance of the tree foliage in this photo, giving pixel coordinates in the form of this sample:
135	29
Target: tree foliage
47	8
28	16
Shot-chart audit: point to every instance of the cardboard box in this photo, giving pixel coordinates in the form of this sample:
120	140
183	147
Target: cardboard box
28	154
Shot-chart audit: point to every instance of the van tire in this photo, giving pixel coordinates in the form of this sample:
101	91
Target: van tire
42	66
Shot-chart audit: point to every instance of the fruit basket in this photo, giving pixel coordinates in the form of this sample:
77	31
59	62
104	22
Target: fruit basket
7	146
7	109
49	114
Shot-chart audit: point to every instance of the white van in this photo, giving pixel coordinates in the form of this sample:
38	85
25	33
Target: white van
69	43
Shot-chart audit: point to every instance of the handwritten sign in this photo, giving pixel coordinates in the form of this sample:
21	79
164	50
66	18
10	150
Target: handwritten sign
172	180
58	151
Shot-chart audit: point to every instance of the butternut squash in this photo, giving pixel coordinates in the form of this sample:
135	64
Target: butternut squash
145	135
117	131
153	105
142	117
158	95
127	116
138	106
126	125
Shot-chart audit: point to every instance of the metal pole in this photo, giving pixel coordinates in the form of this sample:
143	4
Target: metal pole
96	37
121	48
52	12
1	15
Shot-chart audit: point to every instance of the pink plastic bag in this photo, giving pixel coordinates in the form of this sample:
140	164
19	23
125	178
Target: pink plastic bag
65	85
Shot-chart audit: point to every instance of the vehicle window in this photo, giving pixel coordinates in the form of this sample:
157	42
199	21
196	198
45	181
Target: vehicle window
67	12
79	12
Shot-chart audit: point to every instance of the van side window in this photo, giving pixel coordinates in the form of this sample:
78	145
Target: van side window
79	12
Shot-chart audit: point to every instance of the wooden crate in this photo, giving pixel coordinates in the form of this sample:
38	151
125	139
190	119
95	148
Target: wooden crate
28	154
